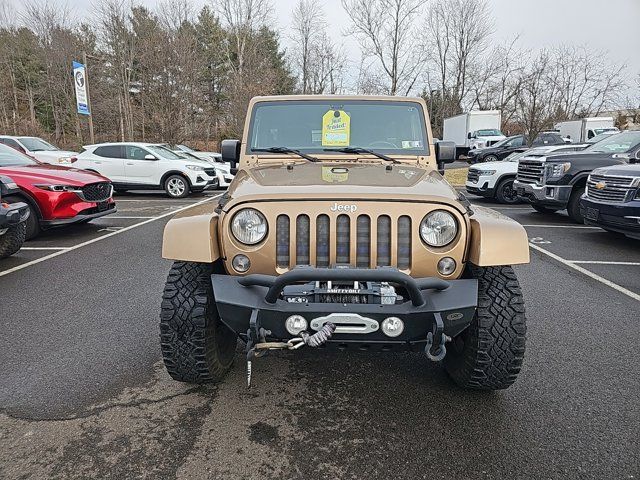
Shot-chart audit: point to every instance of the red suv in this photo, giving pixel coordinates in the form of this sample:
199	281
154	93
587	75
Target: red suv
55	195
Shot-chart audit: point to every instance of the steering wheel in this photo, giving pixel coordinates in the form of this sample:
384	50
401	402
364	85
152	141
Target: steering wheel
382	143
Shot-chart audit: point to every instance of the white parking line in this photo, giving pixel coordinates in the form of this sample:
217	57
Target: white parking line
123	216
604	262
44	248
586	272
94	240
562	226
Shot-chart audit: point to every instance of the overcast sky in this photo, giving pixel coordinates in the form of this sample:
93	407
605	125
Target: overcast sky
611	26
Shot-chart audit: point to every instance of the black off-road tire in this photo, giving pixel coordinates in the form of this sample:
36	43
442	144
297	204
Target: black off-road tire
33	222
13	239
196	346
543	209
573	207
488	354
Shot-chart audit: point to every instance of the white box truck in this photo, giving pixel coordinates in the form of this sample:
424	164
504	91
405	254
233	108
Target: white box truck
474	129
581	130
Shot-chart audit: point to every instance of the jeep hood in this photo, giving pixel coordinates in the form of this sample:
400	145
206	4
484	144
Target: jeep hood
334	180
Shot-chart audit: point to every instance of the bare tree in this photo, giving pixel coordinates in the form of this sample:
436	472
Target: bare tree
456	35
387	31
307	27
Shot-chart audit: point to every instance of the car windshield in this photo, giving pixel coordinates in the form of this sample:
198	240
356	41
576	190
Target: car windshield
184	148
489	133
618	143
598	131
34	144
599	137
502	142
10	157
387	127
165	153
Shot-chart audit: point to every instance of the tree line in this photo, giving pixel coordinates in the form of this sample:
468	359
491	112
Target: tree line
174	74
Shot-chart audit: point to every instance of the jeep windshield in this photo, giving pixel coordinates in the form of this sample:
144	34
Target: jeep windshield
386	127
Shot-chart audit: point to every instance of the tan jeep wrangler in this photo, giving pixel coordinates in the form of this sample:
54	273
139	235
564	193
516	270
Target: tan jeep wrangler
339	231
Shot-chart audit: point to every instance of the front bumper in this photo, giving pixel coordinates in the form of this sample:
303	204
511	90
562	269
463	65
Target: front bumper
481	188
13	214
83	216
619	217
429	300
546	195
212	183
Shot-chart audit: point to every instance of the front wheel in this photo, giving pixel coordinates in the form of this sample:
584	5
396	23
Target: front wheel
488	355
176	186
490	158
505	193
33	224
11	241
573	207
196	346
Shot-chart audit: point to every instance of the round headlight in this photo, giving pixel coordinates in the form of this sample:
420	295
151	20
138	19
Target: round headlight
249	226
438	228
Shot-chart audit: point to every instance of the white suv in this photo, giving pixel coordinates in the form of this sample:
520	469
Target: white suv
495	179
137	166
39	149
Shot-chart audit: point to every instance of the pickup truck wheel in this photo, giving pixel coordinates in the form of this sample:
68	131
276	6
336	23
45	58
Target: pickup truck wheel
505	193
11	241
488	354
573	207
541	209
176	186
33	224
196	346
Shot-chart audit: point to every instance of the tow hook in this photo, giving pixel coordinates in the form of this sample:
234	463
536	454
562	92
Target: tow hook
435	348
257	345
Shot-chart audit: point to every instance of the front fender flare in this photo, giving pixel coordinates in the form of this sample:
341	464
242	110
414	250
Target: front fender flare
496	239
192	235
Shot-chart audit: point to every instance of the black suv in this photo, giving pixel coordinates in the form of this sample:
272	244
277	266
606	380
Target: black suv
504	148
13	220
555	183
612	199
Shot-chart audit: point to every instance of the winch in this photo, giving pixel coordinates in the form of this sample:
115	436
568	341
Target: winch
342	292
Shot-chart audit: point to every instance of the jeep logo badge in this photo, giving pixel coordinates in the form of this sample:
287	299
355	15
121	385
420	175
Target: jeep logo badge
341	207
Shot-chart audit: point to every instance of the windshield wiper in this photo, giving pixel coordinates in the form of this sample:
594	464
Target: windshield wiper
286	150
362	150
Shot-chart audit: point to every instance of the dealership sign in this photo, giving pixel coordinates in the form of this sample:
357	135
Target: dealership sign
80	82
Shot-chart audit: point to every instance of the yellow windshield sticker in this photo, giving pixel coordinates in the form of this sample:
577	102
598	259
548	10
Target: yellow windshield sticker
336	128
334	174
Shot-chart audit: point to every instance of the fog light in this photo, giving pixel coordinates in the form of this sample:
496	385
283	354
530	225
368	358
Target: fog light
241	263
446	266
392	326
295	324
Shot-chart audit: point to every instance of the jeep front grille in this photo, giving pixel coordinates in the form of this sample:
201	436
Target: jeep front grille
530	171
345	238
612	189
95	192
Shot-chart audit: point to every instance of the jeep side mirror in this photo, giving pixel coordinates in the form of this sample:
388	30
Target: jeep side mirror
445	152
230	151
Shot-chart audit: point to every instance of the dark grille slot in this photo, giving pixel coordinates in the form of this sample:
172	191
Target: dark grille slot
302	240
363	241
384	241
343	243
404	242
473	176
210	171
322	241
282	241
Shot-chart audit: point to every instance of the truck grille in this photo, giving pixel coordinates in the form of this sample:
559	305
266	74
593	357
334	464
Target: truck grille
349	232
530	171
612	189
96	192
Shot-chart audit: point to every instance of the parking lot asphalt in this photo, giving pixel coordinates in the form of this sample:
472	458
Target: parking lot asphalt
83	393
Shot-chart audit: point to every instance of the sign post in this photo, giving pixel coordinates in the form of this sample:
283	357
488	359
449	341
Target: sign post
82	92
